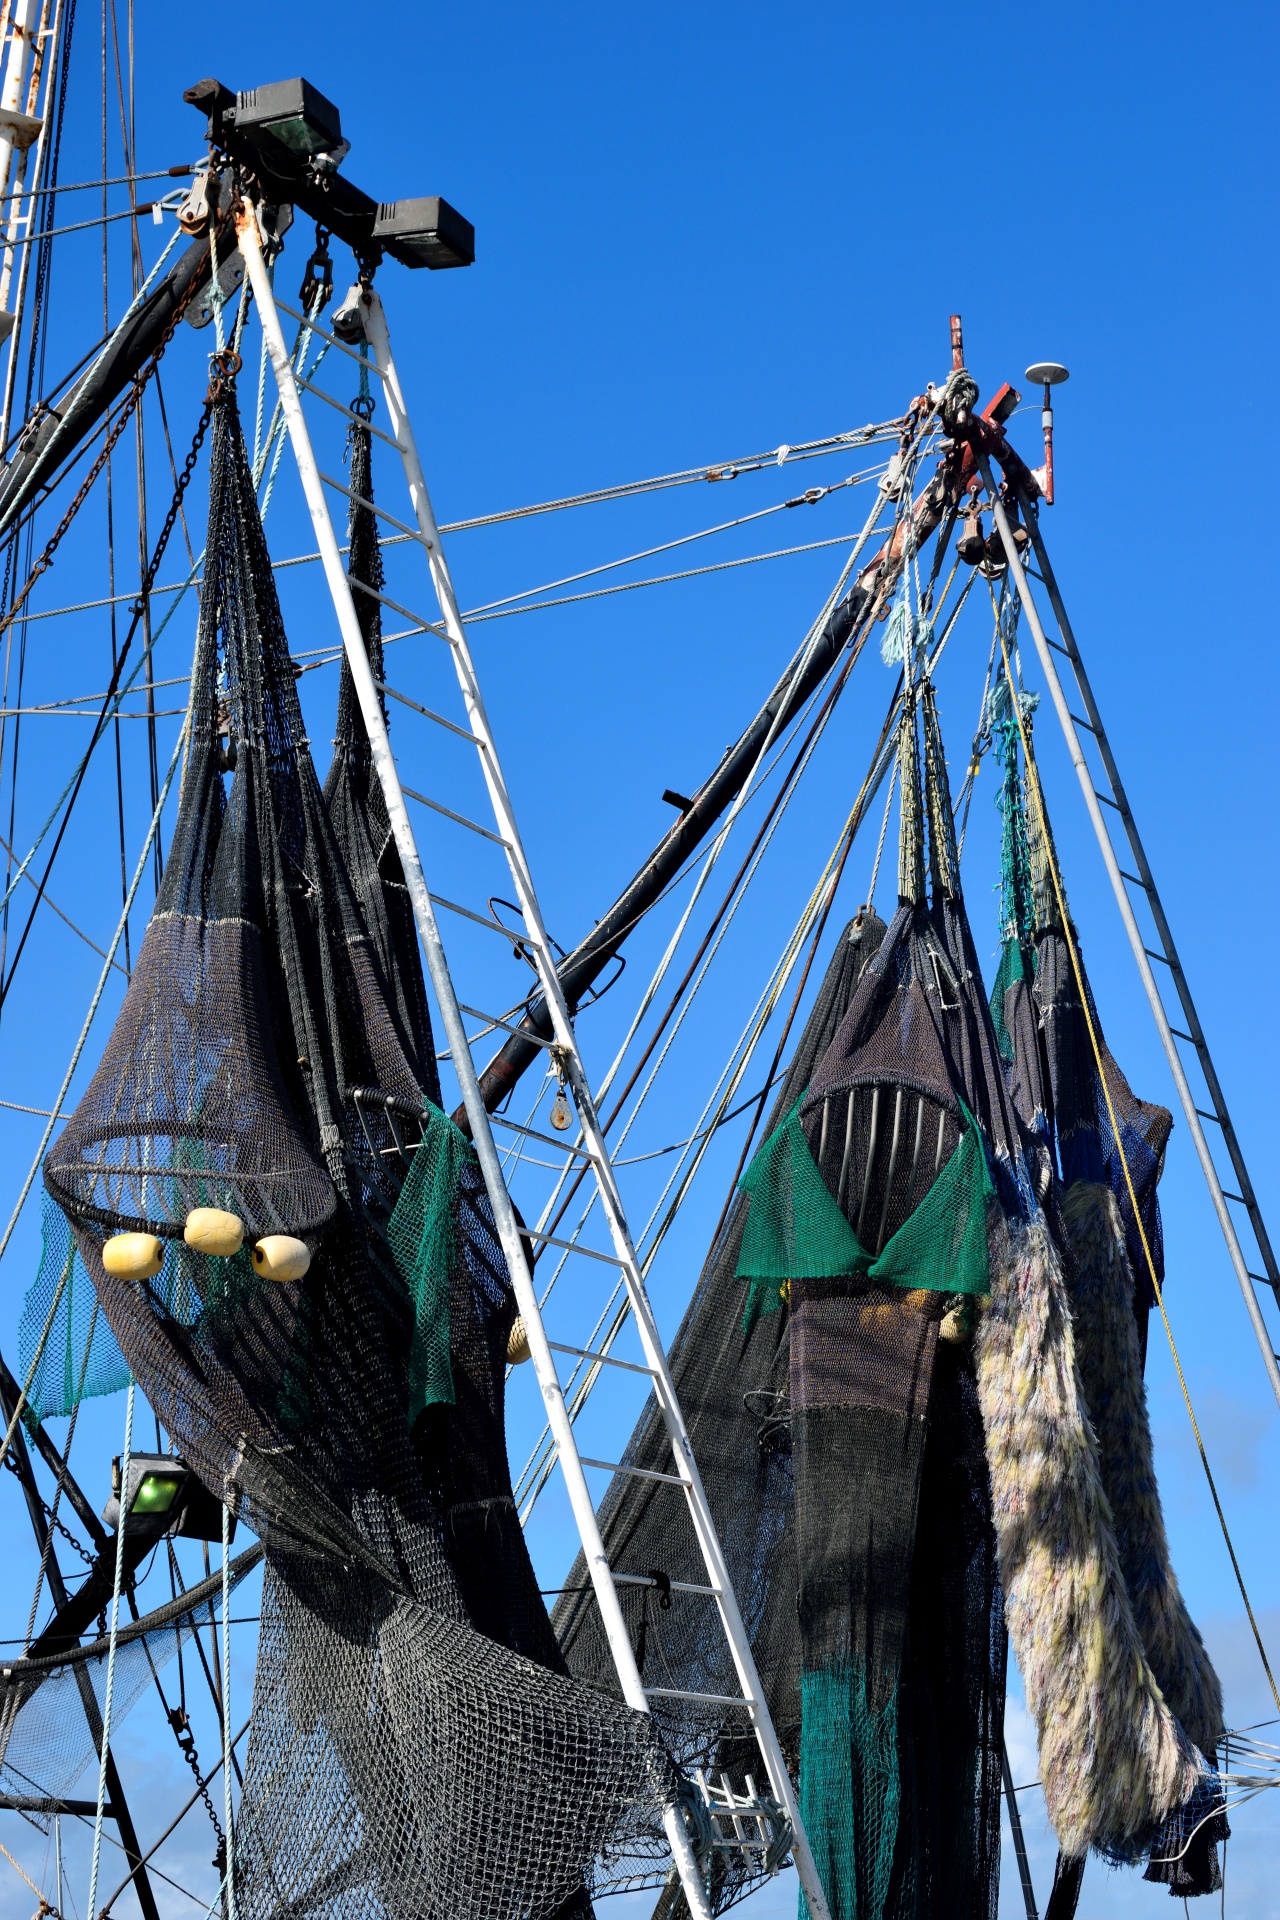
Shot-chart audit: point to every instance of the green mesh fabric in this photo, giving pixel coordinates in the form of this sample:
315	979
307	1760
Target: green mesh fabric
849	1767
796	1231
943	1244
423	1236
1012	969
81	1356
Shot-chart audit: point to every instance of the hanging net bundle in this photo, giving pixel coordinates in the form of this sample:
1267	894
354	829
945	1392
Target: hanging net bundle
891	1418
1106	1151
417	1748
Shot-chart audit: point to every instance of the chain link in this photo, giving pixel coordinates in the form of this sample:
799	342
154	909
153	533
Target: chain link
121	421
51	1517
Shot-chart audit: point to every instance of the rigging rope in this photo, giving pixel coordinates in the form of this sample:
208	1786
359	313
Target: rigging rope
63	1091
108	1698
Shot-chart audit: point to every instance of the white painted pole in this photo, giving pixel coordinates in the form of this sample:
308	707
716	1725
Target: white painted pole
455	1032
700	1512
1132	929
21	40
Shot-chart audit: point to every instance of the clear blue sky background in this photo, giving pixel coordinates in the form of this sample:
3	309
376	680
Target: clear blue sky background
702	232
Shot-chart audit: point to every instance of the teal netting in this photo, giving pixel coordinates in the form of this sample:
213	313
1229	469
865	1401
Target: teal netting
796	1231
849	1767
81	1357
424	1240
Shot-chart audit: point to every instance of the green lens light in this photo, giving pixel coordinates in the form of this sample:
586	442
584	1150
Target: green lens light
156	1493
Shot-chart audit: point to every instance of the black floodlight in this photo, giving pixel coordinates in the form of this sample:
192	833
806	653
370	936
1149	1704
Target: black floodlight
425	233
164	1497
294	112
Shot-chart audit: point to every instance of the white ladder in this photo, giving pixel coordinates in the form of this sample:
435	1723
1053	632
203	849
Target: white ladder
685	1476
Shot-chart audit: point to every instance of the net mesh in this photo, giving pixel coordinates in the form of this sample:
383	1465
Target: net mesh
81	1356
416	1747
51	1708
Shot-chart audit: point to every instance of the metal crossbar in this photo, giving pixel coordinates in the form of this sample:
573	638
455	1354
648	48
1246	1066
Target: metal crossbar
533	939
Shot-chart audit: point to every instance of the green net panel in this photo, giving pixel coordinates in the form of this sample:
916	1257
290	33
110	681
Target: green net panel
81	1356
423	1236
796	1231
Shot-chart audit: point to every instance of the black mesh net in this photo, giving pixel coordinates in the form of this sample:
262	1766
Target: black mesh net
732	1380
417	1748
353	793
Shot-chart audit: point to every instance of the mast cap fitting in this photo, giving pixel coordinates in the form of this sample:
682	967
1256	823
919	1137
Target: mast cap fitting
1047	373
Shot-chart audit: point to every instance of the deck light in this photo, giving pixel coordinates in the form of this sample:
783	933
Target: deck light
164	1497
427	232
294	112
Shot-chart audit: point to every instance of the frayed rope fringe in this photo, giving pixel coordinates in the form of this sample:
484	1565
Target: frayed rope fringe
1110	1366
1114	1763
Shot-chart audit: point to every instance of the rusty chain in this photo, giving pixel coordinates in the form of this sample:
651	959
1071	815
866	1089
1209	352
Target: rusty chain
121	421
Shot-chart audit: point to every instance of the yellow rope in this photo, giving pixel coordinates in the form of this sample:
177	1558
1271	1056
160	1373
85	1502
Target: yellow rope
45	1906
1051	857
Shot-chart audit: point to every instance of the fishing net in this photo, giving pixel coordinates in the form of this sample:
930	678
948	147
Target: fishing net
417	1749
902	1641
80	1357
1060	1075
353	792
732	1379
51	1706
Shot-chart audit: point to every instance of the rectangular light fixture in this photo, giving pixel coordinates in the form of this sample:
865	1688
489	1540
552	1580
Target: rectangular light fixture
294	112
425	233
164	1496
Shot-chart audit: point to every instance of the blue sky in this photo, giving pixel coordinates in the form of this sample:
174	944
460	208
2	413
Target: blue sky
701	233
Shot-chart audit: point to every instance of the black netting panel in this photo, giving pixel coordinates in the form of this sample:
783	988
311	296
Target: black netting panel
734	1389
417	1750
353	795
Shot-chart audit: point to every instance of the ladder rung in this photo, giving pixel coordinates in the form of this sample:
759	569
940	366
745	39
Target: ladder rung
1161	957
636	1473
1106	800
677	1586
420	622
572	1246
427	714
358	499
462	821
1264	1278
1134	881
607	1359
534	1039
1209	1116
710	1699
329	400
1237	1197
1057	645
1178	1034
481	920
531	1133
1082	723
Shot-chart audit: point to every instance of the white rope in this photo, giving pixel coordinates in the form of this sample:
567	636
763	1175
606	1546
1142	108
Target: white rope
92	1906
884	828
66	1083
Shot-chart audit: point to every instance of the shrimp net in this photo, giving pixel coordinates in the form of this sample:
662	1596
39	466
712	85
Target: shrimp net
417	1747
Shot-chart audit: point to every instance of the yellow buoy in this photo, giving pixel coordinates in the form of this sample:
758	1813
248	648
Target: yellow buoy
517	1343
211	1230
278	1256
133	1256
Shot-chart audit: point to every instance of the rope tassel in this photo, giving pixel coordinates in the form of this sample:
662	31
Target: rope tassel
1114	1763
